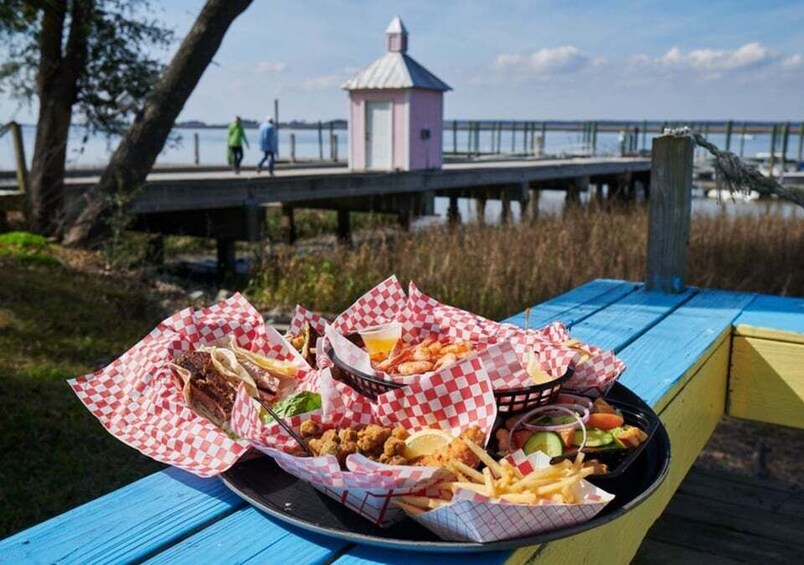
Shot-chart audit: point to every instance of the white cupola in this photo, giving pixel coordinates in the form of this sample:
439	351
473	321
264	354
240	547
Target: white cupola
396	36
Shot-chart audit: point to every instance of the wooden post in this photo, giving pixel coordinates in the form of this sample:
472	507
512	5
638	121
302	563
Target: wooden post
454	137
335	147
287	225
155	250
572	196
453	213
800	142
742	139
480	207
320	142
644	134
525	137
772	160
729	126
513	137
344	227
499	137
468	139
292	147
196	155
276	126
227	257
785	136
505	204
544	140
477	138
594	138
670	207
19	157
533	204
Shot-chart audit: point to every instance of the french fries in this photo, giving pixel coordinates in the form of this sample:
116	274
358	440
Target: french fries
499	480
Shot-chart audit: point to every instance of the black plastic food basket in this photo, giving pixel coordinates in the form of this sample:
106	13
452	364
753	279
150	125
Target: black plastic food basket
509	401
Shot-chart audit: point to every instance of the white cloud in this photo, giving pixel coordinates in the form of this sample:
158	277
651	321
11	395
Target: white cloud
264	67
749	56
324	82
546	61
793	62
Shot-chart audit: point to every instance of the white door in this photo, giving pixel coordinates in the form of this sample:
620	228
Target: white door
379	132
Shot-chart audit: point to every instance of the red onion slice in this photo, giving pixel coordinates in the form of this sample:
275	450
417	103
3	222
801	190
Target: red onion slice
561	408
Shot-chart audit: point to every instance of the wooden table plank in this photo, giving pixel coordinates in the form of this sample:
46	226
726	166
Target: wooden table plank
773	317
660	359
249	536
126	524
621	323
577	304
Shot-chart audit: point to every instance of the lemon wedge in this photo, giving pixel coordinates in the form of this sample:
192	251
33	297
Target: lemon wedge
535	371
425	442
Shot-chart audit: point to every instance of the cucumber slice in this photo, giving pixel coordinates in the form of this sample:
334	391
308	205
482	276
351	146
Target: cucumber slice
548	443
594	438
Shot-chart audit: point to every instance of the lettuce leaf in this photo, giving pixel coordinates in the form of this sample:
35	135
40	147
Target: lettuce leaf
299	403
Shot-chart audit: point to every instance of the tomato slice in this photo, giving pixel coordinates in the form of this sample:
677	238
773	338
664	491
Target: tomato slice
604	421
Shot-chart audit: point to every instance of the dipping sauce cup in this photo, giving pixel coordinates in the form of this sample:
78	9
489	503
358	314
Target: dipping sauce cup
381	339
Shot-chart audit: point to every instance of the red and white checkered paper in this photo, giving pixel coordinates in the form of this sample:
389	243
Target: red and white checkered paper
453	400
474	517
422	316
138	399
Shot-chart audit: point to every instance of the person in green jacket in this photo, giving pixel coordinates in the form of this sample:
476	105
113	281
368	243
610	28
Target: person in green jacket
236	139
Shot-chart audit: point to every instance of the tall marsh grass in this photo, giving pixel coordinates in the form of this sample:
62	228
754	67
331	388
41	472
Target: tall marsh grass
500	270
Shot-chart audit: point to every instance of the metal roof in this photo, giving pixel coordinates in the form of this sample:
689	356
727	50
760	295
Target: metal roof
395	70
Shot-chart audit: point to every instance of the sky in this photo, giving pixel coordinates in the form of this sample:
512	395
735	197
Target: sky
508	59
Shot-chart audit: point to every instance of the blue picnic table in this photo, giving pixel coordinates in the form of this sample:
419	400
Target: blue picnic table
693	356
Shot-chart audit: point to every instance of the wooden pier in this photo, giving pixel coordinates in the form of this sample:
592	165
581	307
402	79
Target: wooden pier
228	207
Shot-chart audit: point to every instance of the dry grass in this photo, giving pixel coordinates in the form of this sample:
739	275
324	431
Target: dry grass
497	271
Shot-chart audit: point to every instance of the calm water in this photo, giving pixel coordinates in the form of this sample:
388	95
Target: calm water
212	145
212	151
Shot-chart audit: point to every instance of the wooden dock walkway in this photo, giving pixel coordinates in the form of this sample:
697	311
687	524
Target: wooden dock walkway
169	191
719	518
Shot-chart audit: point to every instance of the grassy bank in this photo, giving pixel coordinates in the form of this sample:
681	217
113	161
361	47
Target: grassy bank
499	270
57	322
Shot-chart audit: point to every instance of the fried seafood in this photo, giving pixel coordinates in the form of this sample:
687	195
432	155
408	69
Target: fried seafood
386	445
429	355
456	450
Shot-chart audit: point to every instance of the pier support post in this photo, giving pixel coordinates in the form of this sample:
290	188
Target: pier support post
599	193
453	213
287	225
155	250
670	207
344	227
292	147
196	150
573	195
227	257
480	207
505	204
534	194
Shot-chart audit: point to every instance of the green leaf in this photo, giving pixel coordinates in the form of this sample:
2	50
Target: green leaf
292	405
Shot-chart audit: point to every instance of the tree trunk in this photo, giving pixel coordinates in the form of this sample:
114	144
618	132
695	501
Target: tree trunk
137	152
57	88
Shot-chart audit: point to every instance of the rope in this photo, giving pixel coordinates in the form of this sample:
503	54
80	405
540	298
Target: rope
734	175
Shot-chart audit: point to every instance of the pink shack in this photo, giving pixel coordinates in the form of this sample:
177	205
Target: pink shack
396	111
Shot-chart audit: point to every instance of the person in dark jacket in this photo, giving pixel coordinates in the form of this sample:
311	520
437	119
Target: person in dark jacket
268	144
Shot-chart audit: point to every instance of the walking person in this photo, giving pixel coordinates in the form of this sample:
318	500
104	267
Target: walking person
268	144
236	139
